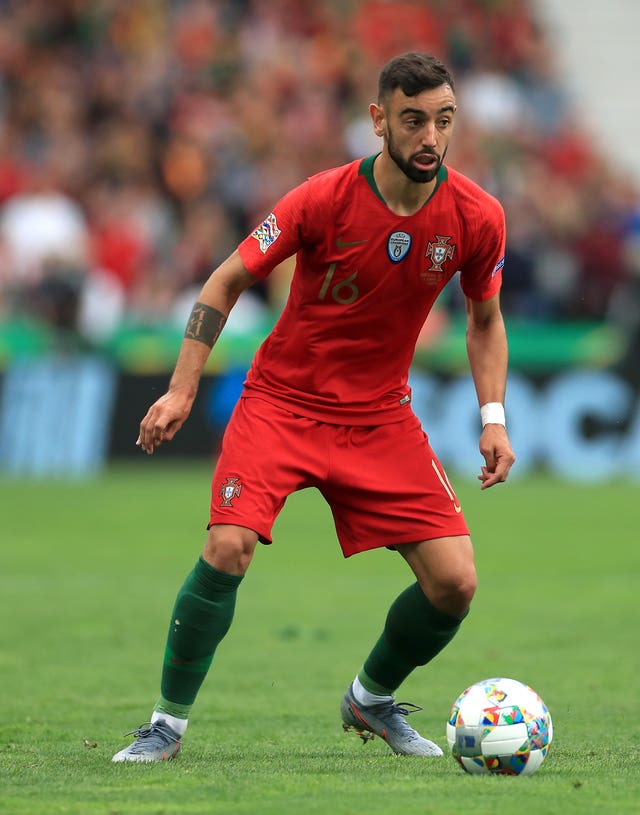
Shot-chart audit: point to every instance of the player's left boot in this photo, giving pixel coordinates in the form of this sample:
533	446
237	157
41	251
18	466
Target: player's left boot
155	741
388	721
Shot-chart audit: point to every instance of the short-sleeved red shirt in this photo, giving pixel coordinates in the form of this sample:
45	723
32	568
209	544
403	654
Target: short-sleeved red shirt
364	282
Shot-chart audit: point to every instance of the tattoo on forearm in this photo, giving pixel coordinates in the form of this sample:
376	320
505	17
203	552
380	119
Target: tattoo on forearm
205	324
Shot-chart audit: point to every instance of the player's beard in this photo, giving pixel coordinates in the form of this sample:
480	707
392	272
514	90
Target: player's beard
407	166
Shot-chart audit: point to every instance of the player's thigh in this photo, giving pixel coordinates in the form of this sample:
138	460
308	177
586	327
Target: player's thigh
267	453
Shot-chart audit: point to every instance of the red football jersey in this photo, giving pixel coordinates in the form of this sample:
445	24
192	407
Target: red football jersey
365	280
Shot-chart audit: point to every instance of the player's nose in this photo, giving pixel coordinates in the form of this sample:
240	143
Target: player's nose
429	137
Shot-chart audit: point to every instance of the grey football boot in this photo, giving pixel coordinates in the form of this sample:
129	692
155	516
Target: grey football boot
155	741
388	721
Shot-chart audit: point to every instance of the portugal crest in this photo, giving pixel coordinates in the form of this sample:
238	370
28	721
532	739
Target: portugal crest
439	251
231	489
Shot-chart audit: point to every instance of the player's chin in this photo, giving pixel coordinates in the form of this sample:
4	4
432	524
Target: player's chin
424	173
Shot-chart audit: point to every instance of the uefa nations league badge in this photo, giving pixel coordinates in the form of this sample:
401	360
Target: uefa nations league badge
398	245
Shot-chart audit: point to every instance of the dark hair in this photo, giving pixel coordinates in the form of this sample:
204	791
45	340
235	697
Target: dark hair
413	73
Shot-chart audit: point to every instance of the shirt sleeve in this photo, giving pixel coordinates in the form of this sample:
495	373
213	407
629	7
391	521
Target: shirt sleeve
282	233
481	275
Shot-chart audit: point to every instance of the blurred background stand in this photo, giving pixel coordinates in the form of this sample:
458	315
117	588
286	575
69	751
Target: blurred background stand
55	416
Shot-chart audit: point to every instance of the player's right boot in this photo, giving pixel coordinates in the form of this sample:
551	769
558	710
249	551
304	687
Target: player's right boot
388	721
155	741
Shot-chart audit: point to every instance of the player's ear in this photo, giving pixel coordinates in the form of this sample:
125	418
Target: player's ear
377	117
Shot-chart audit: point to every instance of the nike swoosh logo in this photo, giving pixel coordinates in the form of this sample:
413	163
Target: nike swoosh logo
343	244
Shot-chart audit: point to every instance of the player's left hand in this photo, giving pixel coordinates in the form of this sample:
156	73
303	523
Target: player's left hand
497	453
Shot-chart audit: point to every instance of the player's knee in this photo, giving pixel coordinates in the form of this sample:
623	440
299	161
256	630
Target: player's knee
454	592
465	587
229	549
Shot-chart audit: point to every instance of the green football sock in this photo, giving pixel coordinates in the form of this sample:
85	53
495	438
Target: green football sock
201	617
414	632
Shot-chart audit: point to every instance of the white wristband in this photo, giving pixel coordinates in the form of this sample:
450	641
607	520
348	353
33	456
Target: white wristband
492	413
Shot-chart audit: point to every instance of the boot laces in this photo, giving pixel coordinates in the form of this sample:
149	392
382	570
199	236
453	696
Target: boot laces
152	733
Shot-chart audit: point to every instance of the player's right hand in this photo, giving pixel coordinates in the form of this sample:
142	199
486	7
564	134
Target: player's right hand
163	420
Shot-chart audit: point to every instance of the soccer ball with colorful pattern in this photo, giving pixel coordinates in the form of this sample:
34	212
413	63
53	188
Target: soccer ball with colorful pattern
499	726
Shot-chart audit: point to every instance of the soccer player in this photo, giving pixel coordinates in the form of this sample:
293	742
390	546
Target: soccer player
326	401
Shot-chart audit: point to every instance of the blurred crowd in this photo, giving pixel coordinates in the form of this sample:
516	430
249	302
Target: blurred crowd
140	140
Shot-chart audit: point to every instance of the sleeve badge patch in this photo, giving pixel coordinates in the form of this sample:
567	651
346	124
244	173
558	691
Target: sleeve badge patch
499	265
267	233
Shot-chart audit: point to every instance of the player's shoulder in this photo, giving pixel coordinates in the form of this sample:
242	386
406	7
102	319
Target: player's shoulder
471	198
326	192
335	178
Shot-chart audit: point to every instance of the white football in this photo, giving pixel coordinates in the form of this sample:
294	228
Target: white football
499	726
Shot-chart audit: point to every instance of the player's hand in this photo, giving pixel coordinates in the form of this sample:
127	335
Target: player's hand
497	453
163	420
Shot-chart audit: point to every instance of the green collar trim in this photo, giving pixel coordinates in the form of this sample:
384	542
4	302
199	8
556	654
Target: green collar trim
366	169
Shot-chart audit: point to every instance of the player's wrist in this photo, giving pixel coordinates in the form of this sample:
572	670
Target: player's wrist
184	391
492	413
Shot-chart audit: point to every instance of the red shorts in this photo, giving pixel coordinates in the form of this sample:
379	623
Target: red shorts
384	484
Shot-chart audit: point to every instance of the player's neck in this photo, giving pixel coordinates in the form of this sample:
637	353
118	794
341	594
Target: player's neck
400	194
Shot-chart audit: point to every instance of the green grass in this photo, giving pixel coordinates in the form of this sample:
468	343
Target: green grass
87	576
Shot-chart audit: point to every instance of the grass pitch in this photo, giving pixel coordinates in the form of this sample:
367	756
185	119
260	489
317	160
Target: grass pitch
88	574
